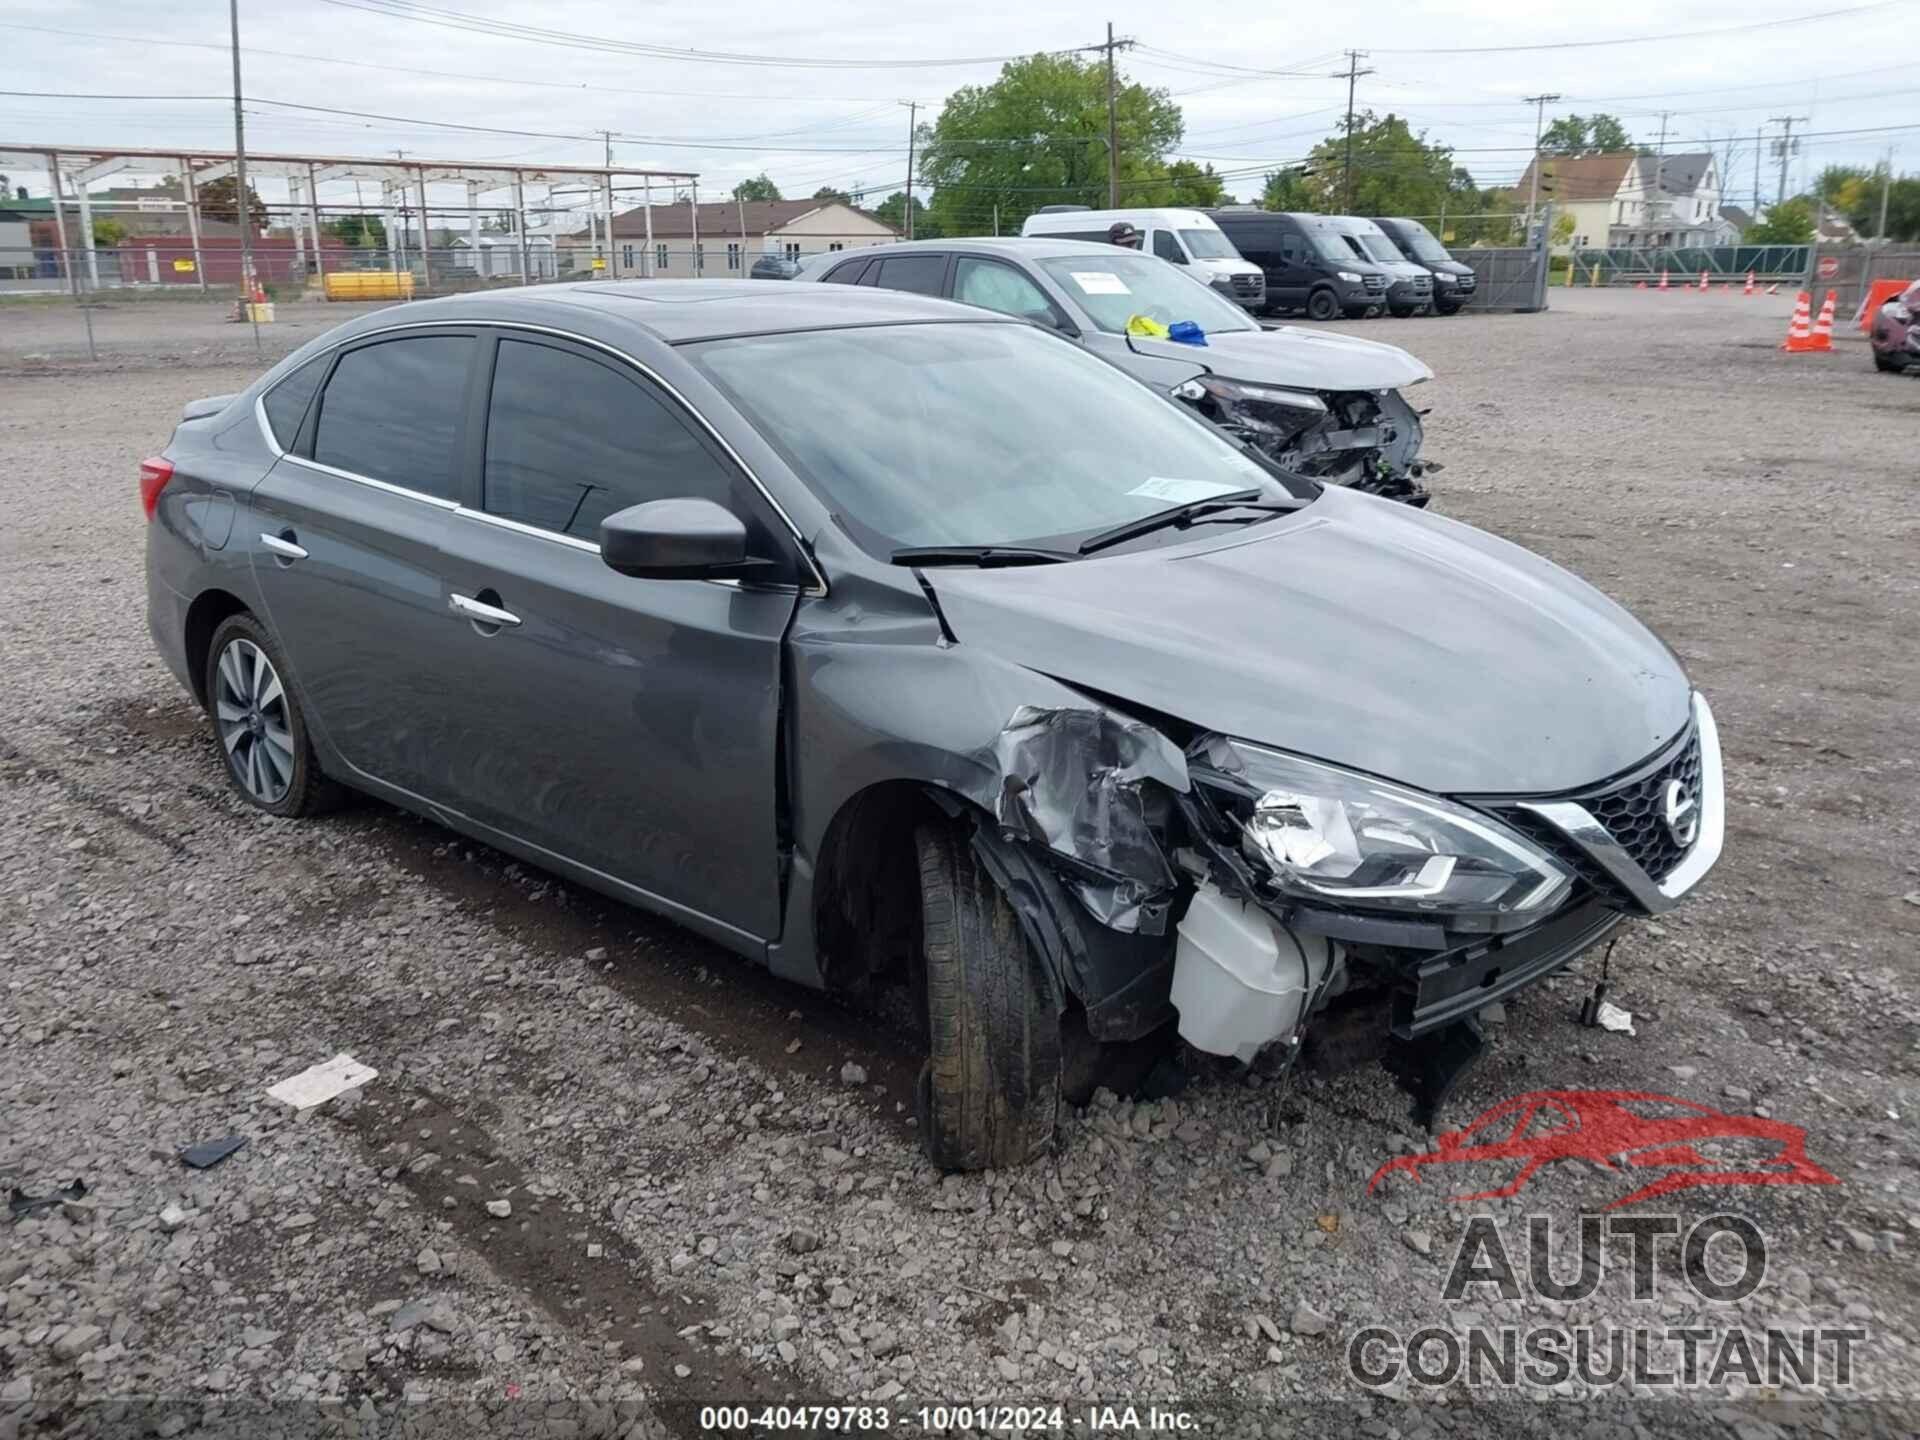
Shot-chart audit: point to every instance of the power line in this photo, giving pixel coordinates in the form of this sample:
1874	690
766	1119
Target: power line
577	40
1645	39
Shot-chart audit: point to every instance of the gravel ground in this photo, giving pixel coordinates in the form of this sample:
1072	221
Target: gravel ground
607	1173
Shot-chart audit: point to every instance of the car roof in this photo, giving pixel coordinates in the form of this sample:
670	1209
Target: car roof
1160	214
676	311
1013	247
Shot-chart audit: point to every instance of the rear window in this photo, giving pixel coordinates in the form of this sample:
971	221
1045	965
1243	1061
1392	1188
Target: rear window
393	411
921	274
286	403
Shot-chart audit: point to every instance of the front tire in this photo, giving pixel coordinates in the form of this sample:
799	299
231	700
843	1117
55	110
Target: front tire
1323	305
1446	309
259	724
991	1087
1403	312
1888	364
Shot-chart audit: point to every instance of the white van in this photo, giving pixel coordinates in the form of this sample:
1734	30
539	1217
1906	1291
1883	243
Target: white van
1185	237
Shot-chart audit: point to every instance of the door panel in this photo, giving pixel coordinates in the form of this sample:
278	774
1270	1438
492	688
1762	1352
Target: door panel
360	617
630	725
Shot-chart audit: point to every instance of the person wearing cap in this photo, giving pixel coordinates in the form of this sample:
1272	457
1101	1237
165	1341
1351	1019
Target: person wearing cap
1122	233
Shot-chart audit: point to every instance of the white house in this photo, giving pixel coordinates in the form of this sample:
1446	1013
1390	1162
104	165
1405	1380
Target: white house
731	235
1627	199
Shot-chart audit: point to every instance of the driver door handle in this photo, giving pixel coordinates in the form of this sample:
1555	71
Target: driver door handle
286	549
480	611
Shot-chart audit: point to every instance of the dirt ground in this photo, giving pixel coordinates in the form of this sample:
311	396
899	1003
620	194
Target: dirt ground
702	1203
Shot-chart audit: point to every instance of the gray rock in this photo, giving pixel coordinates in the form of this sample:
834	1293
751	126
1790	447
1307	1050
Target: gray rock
499	1209
1418	1241
78	1341
850	1073
1308	1321
427	1262
173	1217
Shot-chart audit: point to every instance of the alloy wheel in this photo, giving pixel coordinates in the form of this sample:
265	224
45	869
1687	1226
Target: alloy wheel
250	708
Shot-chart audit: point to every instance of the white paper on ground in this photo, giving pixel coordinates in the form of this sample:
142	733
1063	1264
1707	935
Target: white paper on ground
320	1083
1612	1017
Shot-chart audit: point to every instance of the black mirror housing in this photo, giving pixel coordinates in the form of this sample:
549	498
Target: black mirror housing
680	539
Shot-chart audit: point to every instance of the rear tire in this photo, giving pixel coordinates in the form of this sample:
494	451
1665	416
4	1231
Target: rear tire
1889	364
1323	305
991	1087
259	724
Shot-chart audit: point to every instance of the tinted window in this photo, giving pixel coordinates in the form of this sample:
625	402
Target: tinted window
922	274
1253	240
848	274
1167	248
286	403
999	287
393	411
570	441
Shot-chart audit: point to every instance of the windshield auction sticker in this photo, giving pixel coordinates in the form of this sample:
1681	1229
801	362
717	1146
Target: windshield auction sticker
1100	282
1176	491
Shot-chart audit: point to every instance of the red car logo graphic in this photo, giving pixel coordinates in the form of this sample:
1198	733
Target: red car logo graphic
1623	1130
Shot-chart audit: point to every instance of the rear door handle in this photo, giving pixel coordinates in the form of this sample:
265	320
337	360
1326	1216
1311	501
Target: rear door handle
285	549
480	612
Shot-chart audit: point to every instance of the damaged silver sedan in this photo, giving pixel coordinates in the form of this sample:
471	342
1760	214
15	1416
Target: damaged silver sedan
891	642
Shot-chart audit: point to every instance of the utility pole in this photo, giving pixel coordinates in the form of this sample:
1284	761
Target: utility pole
1759	144
1113	131
1659	169
242	210
1540	103
1886	190
913	111
1353	72
1785	146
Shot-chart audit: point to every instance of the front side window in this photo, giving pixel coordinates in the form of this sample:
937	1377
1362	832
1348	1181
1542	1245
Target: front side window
994	286
393	411
1112	288
974	433
1167	248
286	404
571	440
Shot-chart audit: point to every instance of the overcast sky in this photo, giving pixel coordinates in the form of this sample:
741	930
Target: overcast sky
811	124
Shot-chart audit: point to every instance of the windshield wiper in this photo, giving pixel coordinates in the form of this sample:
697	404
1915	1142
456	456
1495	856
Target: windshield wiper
1187	514
982	555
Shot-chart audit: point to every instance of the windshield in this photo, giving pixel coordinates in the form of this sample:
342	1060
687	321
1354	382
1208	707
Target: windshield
1208	245
1420	241
1337	248
974	434
1378	248
1112	289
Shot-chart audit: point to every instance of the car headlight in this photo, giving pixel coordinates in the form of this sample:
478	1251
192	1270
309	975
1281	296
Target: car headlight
1441	277
1340	837
1260	408
1348	276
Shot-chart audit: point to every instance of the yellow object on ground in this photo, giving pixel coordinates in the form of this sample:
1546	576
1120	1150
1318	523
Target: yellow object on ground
370	285
261	313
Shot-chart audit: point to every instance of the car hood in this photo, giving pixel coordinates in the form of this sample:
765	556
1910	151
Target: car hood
1294	359
1359	632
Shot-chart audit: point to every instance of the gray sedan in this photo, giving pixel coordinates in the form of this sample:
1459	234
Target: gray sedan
884	640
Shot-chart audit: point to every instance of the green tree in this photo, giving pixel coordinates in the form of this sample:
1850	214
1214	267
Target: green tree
108	232
217	202
1395	172
1600	134
757	188
362	232
1288	190
827	192
926	225
1788	223
1037	135
1185	183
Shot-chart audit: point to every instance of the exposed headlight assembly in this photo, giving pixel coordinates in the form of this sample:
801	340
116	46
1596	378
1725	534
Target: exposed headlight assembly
1338	837
1260	408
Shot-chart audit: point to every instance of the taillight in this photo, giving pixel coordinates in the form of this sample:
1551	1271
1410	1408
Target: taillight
154	474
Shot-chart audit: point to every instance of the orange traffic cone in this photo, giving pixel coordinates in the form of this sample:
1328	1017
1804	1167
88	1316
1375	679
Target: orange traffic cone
1749	289
1663	280
1799	335
1774	289
1703	281
1823	327
1641	286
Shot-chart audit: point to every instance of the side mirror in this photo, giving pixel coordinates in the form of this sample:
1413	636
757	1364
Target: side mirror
683	539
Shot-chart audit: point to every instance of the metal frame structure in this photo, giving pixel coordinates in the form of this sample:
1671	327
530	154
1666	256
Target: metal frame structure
78	166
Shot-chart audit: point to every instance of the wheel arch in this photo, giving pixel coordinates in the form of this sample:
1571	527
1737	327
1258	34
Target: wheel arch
204	616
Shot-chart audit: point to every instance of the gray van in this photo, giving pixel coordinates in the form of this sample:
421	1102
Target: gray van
1307	267
1454	284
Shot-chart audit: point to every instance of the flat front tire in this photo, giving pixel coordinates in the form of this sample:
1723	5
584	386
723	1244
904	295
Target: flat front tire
259	725
991	1087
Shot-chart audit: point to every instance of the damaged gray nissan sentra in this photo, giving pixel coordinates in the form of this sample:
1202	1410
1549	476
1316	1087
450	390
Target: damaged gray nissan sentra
879	638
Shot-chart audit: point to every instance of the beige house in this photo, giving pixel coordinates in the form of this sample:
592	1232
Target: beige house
729	235
1629	199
